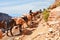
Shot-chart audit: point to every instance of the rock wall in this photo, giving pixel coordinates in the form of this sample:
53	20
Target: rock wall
55	4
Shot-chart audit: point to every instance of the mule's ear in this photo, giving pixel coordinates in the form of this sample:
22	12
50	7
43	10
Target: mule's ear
30	11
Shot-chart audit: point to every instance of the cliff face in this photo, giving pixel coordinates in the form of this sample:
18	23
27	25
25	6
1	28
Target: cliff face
4	16
57	0
55	4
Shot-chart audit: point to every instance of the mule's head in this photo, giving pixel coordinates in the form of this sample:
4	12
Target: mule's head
12	22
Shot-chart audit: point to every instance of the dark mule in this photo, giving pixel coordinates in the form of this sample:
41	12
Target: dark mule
3	25
10	24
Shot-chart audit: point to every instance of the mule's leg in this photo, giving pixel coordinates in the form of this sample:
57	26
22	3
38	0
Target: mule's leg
7	28
11	31
20	29
7	32
3	30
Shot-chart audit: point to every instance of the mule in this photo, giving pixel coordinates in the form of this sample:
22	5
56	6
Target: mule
10	24
3	25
